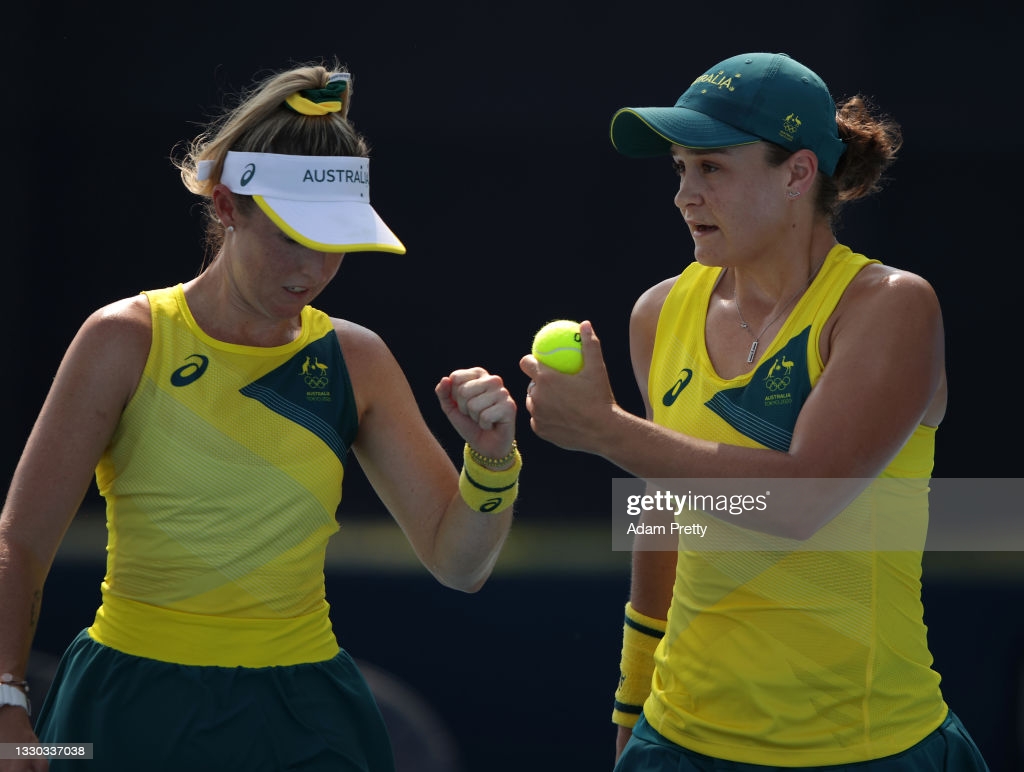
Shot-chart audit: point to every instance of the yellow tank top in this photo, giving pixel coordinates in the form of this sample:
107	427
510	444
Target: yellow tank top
791	658
222	483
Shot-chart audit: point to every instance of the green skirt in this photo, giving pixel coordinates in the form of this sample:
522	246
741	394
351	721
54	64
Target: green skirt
145	714
948	749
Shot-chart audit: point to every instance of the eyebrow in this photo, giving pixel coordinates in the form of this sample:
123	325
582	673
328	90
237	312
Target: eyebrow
704	150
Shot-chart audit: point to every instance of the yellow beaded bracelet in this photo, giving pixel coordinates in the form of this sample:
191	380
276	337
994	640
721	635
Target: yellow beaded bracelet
495	464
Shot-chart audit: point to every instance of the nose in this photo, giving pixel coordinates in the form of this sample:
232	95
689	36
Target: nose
321	266
688	192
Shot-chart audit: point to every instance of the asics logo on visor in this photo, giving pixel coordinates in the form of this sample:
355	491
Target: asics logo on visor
250	170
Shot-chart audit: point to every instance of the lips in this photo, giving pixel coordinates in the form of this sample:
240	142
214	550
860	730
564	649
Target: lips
700	229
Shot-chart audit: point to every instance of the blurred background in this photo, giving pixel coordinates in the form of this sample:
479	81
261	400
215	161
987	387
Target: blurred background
491	161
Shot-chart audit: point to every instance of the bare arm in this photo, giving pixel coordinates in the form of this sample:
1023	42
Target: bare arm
410	471
96	378
653	571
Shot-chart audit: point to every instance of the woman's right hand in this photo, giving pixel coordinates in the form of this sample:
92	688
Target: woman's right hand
16	729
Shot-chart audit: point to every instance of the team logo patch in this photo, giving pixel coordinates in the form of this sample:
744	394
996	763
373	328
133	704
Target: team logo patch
790	126
301	391
766	409
314	373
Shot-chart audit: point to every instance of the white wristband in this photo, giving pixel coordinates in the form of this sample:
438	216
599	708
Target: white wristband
12	695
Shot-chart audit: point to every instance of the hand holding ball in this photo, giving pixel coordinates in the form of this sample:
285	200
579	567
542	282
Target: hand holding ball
558	345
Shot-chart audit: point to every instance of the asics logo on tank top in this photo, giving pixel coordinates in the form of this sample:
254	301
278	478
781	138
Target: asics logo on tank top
191	372
672	394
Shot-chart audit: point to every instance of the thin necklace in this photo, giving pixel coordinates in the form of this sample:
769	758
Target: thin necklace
746	326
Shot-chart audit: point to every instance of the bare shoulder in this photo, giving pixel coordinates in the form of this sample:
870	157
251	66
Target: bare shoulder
360	344
648	306
891	318
378	382
124	325
887	301
643	325
105	361
643	321
371	365
882	285
654	297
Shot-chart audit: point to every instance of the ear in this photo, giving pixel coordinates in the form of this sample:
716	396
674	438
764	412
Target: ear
803	170
224	205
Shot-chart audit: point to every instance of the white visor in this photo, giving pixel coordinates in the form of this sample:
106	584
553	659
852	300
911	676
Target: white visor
323	202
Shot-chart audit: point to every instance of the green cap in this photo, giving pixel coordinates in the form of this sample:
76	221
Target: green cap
741	100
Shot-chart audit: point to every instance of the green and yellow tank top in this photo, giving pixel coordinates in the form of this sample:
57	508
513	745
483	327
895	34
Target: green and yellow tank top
222	483
790	657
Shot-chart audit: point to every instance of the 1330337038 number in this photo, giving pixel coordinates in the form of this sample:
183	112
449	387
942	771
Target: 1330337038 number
45	750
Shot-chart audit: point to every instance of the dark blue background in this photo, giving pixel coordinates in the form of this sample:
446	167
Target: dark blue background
491	161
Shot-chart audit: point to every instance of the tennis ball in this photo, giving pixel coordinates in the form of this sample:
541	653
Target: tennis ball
558	344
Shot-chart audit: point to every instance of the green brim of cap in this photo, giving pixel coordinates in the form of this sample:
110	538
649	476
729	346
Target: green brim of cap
643	132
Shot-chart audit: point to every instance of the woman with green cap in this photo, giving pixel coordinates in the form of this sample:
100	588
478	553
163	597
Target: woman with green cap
790	634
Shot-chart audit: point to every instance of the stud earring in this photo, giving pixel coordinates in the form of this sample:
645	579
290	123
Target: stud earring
793	193
231	229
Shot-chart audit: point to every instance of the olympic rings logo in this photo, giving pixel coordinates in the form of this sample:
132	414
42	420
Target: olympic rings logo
776	384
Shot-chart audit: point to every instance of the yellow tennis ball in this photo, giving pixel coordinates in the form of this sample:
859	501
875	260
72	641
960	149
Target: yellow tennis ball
558	344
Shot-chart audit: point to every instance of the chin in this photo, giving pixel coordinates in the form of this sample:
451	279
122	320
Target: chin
708	259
